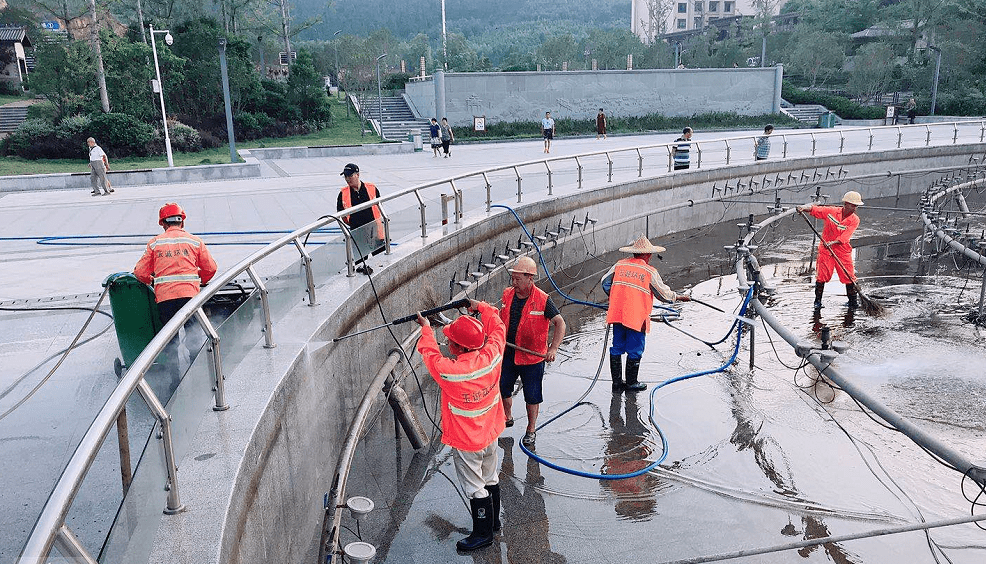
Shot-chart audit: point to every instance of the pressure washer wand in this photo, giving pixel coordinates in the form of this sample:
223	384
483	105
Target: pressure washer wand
454	305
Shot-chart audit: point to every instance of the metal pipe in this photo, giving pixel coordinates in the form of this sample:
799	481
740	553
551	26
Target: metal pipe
307	262
217	360
404	414
174	504
71	548
123	438
268	328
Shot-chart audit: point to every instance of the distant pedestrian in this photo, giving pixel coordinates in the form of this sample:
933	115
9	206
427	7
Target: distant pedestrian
548	131
682	149
912	110
600	124
761	150
99	165
447	137
436	136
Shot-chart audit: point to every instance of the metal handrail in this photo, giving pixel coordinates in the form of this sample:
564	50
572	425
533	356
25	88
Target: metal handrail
50	526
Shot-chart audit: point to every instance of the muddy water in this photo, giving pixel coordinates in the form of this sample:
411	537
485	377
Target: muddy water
756	457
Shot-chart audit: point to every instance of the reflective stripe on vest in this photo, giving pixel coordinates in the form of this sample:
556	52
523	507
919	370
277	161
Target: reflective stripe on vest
175	241
176	278
473	413
474	374
347	202
838	225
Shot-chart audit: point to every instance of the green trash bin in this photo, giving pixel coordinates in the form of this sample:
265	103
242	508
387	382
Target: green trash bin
827	120
135	316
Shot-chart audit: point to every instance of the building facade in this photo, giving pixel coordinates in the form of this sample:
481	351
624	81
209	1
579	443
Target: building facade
684	15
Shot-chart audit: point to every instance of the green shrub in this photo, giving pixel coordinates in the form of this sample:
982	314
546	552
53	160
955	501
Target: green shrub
843	107
184	138
42	110
121	135
10	88
74	127
29	139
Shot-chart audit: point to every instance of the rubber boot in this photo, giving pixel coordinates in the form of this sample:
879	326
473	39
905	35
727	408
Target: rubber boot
482	525
853	296
819	288
616	369
633	368
495	496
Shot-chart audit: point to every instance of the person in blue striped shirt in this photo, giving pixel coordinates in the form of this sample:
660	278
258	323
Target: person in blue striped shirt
681	150
762	148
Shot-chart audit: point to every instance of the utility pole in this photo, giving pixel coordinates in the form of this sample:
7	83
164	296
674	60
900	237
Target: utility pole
934	86
140	20
104	97
444	39
284	30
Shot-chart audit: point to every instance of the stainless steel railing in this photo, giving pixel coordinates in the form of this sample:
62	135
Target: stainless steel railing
51	529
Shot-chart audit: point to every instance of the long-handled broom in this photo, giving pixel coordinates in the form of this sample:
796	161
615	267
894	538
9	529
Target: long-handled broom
869	306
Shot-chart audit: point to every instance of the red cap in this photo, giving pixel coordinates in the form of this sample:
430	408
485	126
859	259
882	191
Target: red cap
171	210
466	331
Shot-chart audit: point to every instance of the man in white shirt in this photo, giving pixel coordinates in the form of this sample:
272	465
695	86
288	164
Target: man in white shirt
98	165
548	130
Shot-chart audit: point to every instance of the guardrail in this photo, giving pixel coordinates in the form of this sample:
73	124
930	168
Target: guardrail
51	529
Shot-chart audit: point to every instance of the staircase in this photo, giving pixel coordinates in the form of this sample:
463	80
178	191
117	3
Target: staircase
11	117
807	113
397	120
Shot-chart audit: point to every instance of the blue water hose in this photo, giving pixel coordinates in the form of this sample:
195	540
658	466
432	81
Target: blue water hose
653	404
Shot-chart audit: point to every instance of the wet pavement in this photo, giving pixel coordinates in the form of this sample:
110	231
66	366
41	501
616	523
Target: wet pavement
757	457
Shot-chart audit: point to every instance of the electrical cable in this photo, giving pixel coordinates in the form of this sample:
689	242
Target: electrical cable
88	240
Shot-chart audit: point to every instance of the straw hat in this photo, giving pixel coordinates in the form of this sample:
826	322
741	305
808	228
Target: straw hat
853	197
524	265
642	247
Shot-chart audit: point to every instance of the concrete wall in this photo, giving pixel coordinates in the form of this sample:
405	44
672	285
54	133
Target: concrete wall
254	477
525	96
80	180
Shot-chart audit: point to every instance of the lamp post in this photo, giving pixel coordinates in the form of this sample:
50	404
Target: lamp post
934	86
380	97
444	39
338	86
229	108
168	39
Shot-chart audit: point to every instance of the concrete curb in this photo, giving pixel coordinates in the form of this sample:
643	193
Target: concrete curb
271	153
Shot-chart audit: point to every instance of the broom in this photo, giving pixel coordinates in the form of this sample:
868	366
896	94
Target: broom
869	306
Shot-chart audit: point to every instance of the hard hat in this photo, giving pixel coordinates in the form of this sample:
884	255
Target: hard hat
466	331
853	198
524	265
171	213
642	247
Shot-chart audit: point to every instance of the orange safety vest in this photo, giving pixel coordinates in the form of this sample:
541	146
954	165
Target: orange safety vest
838	230
630	298
532	332
371	191
472	417
176	263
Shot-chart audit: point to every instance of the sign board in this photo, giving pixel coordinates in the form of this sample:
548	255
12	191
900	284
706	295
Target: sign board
891	111
479	123
52	25
283	57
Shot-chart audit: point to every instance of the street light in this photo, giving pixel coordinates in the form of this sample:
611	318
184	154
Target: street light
168	39
380	97
338	89
934	87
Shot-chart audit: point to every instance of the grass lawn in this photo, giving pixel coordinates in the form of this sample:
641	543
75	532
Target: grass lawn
7	98
344	131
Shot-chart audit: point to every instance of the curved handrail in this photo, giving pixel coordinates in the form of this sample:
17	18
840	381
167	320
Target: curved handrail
50	526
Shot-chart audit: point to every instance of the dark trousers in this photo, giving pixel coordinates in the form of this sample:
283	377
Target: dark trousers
168	308
445	144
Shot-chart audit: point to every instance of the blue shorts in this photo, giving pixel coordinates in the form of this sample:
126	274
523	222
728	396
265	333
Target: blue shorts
627	341
530	375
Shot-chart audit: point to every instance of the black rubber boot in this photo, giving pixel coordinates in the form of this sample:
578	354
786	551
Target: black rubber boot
819	288
633	368
482	525
495	496
616	370
853	296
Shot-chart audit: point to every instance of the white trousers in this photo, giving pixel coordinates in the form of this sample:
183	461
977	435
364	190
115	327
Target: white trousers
476	470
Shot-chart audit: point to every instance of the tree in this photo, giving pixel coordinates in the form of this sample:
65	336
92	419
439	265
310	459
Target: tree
558	50
815	54
655	21
872	70
306	90
63	74
922	15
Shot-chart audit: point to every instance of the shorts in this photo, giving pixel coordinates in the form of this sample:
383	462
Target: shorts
549	134
436	142
531	376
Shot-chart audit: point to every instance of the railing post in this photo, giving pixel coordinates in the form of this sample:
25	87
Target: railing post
842	140
174	500
579	165
424	218
927	138
70	547
610	159
870	130
640	164
900	136
670	158
386	231
265	307
456	201
489	194
955	133
813	143
217	360
548	167
729	150
982	130
306	260
444	198
519	185
784	141
698	151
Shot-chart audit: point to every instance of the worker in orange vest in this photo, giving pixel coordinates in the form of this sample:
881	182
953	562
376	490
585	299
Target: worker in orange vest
528	313
352	194
840	223
472	418
176	263
631	285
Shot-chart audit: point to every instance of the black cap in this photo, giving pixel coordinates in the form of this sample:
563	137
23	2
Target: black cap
349	170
